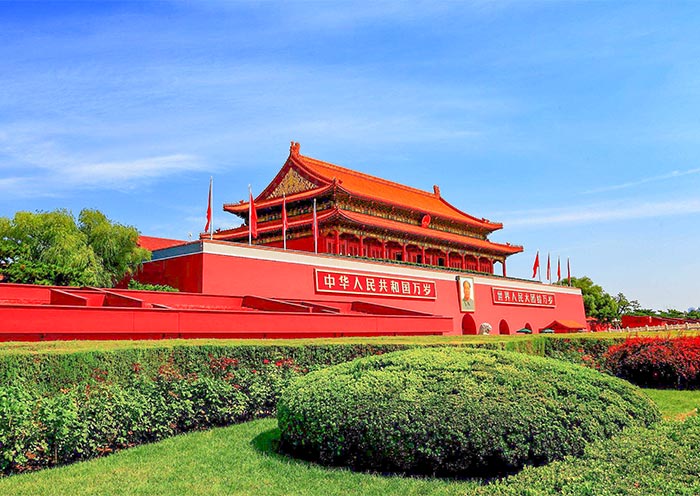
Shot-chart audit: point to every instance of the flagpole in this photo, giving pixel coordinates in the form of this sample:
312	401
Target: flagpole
558	269
250	216
315	229
211	199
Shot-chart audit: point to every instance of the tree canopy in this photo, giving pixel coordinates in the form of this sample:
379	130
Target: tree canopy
52	248
597	303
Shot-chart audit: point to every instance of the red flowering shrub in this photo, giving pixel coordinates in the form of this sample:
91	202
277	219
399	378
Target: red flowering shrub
657	362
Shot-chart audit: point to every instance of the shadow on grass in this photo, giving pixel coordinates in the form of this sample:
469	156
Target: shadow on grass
267	444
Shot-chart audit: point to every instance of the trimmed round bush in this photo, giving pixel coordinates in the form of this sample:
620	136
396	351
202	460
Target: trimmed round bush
454	412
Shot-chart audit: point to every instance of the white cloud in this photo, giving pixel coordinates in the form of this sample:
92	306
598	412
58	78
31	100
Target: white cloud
604	213
127	174
639	182
37	165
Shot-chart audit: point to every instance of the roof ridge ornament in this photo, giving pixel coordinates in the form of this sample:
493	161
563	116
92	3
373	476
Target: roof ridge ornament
436	190
294	149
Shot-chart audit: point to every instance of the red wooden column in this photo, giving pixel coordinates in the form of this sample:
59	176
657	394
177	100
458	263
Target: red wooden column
464	261
504	268
337	242
362	246
404	255
383	249
478	263
422	255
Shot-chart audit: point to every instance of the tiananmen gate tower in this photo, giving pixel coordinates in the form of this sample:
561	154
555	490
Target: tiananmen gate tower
364	216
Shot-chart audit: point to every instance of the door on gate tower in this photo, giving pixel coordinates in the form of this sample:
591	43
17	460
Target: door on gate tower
468	324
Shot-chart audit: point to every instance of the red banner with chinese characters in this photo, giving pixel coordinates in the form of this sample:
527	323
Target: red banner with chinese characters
507	296
374	285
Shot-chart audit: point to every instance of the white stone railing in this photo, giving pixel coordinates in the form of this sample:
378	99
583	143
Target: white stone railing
665	327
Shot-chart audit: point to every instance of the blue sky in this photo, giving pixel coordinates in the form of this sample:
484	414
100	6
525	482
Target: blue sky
574	124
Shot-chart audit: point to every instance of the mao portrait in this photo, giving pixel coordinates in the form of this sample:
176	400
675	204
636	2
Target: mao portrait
466	293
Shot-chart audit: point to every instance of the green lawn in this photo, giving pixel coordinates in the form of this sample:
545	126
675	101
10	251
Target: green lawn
233	460
241	460
675	404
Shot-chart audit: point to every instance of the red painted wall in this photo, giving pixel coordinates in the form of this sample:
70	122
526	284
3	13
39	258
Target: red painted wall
184	273
38	323
34	313
236	275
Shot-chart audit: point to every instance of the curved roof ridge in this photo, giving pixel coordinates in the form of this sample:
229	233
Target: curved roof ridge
483	219
363	174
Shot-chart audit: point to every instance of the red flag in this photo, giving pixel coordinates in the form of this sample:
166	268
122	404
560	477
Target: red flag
253	221
558	269
206	228
315	229
568	270
549	271
536	265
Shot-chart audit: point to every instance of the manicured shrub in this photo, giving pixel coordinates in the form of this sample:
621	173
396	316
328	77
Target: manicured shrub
455	412
143	286
583	349
60	407
663	460
80	423
657	362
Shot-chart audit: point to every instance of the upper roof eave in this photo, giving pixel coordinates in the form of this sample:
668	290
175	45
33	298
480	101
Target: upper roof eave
312	165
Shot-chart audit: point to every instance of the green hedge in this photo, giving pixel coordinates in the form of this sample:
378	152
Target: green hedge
81	423
36	374
663	460
454	412
57	408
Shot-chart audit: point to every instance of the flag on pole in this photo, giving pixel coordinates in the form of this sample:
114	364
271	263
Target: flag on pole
209	211
284	220
549	270
315	229
568	270
536	265
558	269
252	218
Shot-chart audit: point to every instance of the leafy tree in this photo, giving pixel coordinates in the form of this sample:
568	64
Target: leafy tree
113	244
625	306
597	303
673	313
51	248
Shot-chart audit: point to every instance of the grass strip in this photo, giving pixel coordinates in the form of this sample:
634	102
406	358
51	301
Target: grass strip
675	404
236	460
